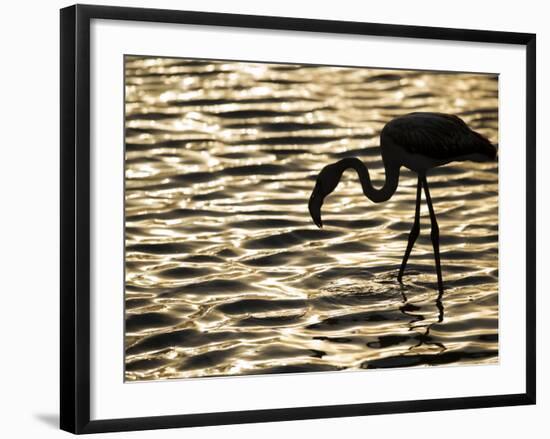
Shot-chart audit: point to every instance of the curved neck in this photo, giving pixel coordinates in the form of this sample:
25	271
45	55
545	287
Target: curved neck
375	195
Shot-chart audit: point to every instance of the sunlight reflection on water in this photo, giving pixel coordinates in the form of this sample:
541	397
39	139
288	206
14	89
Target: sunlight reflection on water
225	271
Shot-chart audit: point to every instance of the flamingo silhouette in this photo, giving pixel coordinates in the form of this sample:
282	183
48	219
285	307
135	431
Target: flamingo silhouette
420	142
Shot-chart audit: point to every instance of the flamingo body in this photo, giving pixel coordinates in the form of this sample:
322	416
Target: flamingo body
421	141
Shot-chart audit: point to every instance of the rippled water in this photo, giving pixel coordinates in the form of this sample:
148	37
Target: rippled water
226	274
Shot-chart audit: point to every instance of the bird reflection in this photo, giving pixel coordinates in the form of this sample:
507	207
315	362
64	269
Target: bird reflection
423	338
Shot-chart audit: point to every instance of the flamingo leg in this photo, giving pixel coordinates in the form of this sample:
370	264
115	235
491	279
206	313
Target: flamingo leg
414	232
435	238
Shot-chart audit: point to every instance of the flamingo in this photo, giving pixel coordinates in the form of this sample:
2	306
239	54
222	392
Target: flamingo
418	141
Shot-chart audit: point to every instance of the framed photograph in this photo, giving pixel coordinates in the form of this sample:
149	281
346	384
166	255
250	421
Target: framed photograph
273	218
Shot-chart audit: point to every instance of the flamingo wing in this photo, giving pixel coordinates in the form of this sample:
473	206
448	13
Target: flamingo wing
437	135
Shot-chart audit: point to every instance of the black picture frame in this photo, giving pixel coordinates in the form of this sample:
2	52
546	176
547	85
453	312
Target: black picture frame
75	217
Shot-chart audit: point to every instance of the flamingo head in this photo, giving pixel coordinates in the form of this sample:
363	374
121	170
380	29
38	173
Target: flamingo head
327	180
315	203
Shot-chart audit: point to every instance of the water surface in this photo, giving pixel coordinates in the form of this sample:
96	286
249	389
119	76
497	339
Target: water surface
225	272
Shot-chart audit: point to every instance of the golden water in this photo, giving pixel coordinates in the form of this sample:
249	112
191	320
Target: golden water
226	274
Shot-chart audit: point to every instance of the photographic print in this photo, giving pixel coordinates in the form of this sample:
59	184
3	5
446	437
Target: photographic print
284	218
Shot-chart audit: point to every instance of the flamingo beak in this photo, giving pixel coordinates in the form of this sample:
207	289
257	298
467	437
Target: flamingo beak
314	205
